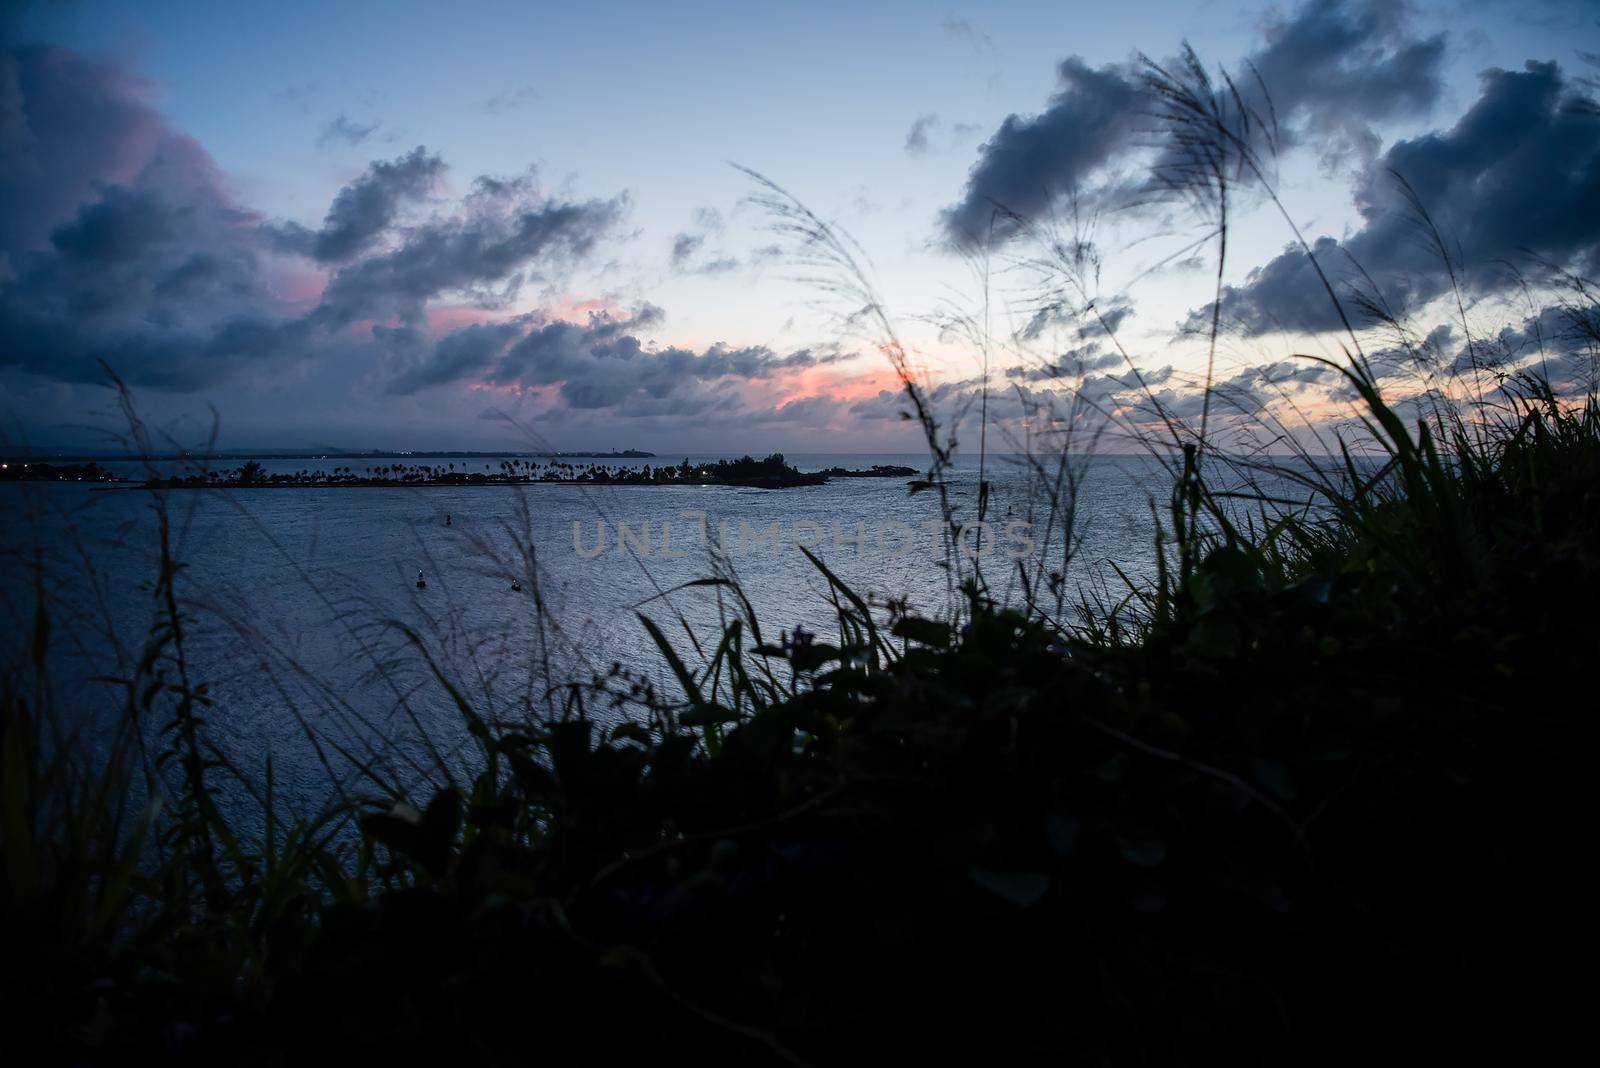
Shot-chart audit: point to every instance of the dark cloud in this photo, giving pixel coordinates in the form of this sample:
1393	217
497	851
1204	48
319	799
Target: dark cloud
67	125
602	364
1331	70
1284	294
460	354
1336	67
1515	181
599	366
1030	162
119	242
155	269
344	130
366	208
485	251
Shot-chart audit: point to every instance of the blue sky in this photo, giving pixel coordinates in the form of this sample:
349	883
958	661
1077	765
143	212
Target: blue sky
642	107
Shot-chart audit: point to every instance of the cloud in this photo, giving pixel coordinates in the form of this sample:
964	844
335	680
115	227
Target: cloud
1337	67
1109	320
1331	70
504	233
1092	383
885	404
460	354
1517	178
67	125
688	245
363	210
130	249
1558	340
509	100
602	365
1096	321
684	246
917	136
1074	363
121	242
343	129
1029	163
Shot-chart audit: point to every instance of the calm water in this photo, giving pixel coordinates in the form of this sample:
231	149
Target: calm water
290	590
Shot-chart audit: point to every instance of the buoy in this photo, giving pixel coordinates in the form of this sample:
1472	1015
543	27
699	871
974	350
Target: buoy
447	519
422	583
516	587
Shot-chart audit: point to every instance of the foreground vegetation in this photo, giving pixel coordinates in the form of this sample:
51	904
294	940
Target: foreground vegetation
1321	784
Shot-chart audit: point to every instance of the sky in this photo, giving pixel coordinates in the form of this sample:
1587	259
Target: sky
485	225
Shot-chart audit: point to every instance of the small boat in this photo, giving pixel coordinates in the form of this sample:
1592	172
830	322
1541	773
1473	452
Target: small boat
422	583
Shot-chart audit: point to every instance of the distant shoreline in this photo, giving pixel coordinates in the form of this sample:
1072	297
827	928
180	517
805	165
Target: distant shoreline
787	480
770	473
235	456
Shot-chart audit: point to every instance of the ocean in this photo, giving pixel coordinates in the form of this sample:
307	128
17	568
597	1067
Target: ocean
302	607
